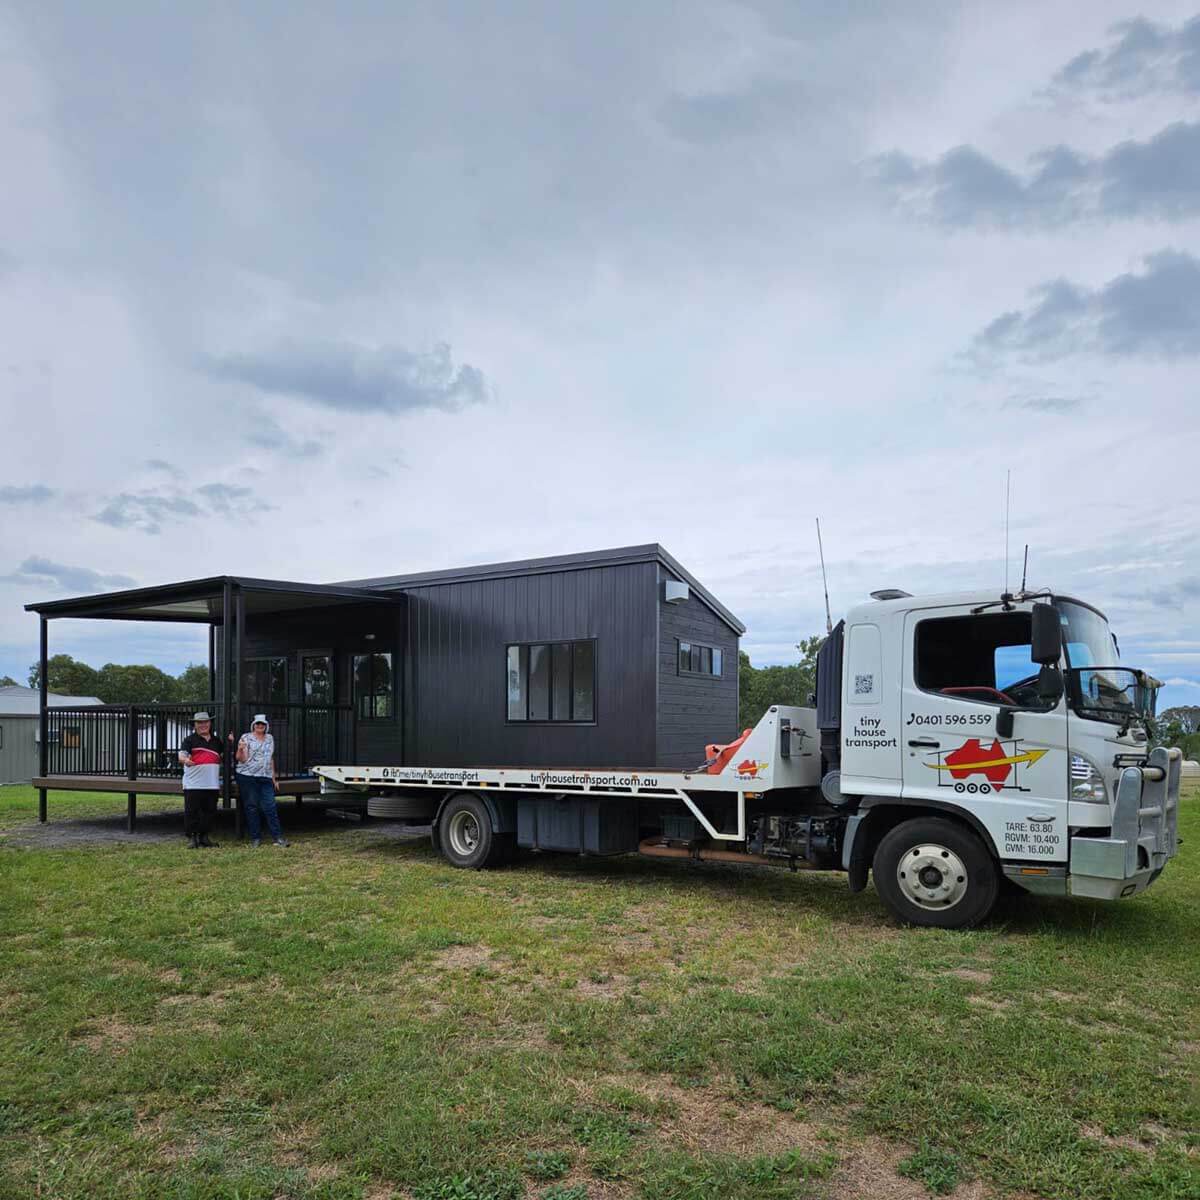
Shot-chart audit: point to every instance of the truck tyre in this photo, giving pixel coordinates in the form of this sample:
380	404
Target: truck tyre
466	835
931	871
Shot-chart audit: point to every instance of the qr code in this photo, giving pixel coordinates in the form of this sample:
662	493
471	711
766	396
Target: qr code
864	685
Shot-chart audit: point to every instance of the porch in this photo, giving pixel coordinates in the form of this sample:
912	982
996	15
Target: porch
311	697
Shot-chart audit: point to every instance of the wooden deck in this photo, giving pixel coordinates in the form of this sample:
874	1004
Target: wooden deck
145	786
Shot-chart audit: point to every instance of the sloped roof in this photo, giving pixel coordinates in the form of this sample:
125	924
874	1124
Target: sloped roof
16	701
618	556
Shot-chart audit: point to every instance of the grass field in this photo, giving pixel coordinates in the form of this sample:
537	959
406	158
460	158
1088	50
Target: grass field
352	1018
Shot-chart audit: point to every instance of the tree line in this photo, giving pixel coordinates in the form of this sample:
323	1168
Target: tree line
115	683
760	687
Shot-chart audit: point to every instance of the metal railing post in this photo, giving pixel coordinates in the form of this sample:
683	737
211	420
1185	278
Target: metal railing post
43	724
131	764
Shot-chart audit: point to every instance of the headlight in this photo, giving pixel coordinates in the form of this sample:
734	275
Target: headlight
1086	782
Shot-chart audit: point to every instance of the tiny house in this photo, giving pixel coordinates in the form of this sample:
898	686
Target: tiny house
613	658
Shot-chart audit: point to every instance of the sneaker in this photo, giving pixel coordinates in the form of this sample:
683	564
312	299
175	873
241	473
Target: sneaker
280	842
193	842
206	843
255	843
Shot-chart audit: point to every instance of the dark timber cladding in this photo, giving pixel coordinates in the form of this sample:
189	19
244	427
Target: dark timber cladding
694	707
460	624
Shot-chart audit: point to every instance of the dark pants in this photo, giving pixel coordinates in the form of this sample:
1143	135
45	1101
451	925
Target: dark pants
256	794
199	806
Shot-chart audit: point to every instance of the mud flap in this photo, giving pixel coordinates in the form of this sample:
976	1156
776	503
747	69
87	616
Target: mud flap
855	859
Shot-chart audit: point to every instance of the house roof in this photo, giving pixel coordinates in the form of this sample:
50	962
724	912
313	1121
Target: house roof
200	600
17	701
618	556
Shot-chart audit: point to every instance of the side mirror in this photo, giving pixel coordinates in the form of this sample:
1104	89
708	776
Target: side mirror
1050	684
1047	635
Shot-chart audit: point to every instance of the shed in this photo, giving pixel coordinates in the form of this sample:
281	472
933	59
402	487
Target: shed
19	729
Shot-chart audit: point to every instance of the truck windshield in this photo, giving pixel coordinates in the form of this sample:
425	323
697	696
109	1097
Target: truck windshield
1098	685
1086	636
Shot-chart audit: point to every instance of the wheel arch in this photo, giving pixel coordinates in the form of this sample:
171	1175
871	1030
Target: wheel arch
873	821
501	809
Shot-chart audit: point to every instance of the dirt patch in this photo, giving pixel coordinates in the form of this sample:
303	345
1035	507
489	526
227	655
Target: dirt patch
971	976
1064	997
463	958
170	975
988	1003
868	1170
1123	1141
593	1188
611	987
109	1034
714	1123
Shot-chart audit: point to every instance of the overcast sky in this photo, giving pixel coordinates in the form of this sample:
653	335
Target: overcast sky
318	292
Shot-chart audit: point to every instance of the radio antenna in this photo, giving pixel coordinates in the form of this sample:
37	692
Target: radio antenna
824	579
1025	569
1007	482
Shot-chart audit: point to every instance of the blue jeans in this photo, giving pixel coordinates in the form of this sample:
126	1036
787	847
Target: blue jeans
256	794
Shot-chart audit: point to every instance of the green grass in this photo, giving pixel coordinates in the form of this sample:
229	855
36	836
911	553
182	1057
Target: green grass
352	1019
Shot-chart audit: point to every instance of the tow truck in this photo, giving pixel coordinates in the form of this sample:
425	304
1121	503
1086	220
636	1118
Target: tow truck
955	744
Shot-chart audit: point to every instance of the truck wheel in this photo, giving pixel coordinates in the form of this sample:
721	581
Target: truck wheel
930	871
466	834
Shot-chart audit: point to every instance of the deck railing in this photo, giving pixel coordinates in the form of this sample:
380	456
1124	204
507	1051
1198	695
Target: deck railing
138	741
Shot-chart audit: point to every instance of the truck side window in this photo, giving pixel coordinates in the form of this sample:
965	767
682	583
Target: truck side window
976	658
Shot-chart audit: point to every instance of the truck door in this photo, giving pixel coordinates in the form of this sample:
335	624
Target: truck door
962	669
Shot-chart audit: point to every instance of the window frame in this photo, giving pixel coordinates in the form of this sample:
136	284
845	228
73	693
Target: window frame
959	616
373	719
303	656
701	646
266	658
526	722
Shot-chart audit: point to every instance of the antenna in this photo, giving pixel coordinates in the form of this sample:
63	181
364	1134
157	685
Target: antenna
1025	569
1007	482
824	579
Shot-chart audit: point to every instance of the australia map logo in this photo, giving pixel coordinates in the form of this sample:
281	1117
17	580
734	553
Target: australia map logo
975	767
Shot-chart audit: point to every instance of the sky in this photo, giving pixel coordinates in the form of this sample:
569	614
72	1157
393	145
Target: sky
322	292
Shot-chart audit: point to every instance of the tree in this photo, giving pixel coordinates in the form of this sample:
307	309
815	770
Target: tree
67	677
8	681
760	687
193	683
135	685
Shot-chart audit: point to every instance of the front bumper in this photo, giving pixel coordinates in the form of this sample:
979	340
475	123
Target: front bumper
1144	835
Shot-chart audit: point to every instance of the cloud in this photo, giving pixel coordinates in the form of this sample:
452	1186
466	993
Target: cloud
1158	179
263	431
60	577
1056	405
147	511
1151	314
161	464
1143	57
357	378
1180	681
712	117
34	493
1182	592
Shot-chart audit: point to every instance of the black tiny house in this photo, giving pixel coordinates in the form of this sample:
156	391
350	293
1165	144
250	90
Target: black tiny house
615	658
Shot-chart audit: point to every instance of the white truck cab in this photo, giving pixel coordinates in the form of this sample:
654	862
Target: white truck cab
1012	715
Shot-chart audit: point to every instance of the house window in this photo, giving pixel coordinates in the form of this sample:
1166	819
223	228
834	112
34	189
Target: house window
695	659
974	657
317	673
374	687
551	681
266	681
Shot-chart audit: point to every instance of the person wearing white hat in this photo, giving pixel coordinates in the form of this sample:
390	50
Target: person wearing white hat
201	754
257	781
